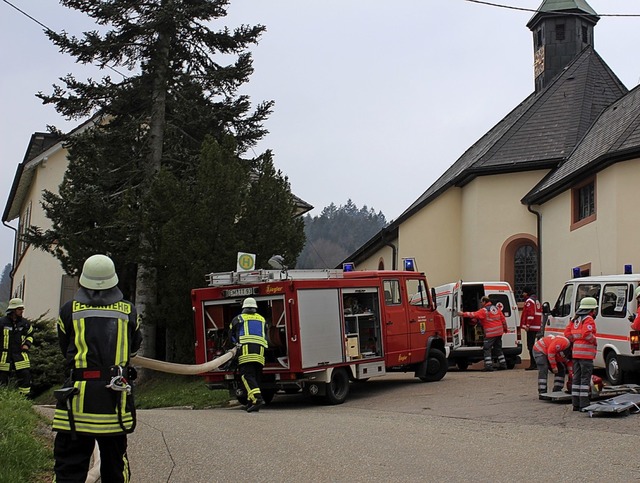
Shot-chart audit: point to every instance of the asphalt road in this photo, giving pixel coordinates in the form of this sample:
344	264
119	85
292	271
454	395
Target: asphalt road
471	426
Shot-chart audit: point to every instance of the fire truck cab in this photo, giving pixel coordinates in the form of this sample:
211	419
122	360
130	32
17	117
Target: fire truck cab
325	328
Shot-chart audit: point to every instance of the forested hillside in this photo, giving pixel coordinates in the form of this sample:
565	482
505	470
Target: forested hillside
336	233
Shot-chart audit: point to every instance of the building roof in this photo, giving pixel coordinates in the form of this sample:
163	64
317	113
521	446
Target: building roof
539	133
578	6
614	137
39	144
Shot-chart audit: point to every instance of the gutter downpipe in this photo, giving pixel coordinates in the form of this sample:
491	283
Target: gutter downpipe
394	251
13	259
539	237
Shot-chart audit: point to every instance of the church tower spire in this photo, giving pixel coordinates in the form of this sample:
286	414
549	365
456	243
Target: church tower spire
561	30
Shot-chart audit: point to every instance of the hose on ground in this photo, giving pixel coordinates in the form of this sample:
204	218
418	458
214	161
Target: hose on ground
184	369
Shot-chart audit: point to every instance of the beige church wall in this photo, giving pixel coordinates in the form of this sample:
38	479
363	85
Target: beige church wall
604	245
432	237
41	272
373	262
492	214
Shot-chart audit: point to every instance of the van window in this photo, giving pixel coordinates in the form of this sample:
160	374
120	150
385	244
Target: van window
563	304
502	301
614	300
587	290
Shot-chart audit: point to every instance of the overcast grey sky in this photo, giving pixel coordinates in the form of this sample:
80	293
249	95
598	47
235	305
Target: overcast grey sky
374	100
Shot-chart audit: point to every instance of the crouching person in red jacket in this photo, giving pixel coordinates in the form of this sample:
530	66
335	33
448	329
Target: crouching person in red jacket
552	353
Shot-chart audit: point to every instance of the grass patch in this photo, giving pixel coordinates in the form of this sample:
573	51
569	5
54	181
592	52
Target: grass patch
25	451
168	390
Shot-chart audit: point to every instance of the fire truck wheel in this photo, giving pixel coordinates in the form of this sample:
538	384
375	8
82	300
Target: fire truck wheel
338	389
240	395
267	395
437	366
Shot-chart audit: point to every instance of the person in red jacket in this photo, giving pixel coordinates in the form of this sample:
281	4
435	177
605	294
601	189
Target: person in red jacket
552	353
531	322
581	332
636	322
494	324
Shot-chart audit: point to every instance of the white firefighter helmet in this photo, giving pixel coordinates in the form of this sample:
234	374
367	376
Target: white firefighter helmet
15	303
98	273
249	303
588	303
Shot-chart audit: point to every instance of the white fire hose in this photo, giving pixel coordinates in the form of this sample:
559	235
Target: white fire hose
171	368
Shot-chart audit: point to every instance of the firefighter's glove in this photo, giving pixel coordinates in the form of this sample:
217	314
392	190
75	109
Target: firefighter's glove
631	318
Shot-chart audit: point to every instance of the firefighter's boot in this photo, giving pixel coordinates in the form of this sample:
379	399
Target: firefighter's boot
502	367
488	368
256	406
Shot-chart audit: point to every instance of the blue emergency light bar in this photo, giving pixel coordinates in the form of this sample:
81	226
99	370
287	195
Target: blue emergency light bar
348	267
628	269
576	272
409	264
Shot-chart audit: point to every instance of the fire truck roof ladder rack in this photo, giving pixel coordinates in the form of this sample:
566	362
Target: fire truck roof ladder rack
216	279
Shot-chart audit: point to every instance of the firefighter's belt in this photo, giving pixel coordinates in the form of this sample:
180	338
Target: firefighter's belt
98	374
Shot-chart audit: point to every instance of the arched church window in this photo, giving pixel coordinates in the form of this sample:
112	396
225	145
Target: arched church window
525	269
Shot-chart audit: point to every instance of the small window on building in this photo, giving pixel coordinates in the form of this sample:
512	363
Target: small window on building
583	204
560	31
585	34
25	223
538	38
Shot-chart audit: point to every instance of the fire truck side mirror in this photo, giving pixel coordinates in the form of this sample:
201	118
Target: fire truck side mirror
433	298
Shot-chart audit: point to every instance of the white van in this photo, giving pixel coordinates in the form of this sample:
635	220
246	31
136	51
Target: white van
464	338
618	346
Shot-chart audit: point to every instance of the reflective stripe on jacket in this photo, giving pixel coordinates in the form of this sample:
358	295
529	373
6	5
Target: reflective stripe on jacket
581	331
531	318
248	329
97	337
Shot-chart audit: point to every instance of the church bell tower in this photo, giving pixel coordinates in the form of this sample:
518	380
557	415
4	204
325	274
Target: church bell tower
561	30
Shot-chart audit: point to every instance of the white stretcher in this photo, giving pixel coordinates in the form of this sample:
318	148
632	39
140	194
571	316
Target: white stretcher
606	393
624	404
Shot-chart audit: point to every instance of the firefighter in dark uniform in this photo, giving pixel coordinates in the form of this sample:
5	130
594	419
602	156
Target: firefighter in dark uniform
248	331
17	337
98	332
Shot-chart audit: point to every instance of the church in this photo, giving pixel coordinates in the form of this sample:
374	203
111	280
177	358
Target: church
545	194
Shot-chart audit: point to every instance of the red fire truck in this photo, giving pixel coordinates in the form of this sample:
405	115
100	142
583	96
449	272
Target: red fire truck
325	328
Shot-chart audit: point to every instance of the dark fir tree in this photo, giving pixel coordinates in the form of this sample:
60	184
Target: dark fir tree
5	283
146	132
336	233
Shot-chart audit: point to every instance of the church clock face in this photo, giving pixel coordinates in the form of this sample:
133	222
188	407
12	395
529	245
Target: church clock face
538	62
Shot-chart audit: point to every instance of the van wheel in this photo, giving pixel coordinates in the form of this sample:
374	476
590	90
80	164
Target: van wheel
463	364
338	389
614	373
511	363
437	366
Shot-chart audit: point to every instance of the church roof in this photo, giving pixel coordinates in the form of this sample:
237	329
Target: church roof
614	137
541	131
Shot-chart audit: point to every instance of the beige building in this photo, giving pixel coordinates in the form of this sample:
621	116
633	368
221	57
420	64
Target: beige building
548	190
